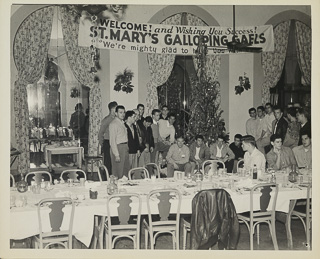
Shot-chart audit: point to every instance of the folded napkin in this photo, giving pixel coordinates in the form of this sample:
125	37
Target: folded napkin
123	179
63	194
245	183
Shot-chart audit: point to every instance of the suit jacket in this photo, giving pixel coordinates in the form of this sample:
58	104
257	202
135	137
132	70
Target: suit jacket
133	142
204	153
281	129
214	219
146	137
305	129
224	152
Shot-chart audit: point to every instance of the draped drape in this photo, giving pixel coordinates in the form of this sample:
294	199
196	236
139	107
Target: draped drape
212	62
303	38
30	51
160	66
272	62
80	62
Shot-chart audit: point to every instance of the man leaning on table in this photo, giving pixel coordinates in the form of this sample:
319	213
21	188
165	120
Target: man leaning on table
252	155
280	157
119	144
178	158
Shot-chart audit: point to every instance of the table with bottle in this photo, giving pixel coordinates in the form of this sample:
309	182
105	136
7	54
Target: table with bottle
90	197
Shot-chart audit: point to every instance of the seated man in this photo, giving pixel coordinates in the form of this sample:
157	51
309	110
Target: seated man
303	153
252	156
199	152
236	148
280	157
178	158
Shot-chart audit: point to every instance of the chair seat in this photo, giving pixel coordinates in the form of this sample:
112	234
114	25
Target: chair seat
246	217
169	227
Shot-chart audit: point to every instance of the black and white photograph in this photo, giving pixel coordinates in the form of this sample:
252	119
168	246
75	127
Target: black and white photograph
159	126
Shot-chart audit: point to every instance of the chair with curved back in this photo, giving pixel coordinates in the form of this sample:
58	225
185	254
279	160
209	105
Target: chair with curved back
261	214
12	181
151	167
73	174
38	176
104	168
214	161
163	216
60	219
123	221
143	172
238	164
301	210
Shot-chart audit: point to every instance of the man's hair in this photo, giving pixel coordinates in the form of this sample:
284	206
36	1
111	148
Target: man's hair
120	107
165	106
291	103
112	105
249	139
78	106
148	119
171	114
180	136
292	111
273	137
303	111
239	136
277	108
154	111
308	133
129	114
269	104
252	109
140	105
261	108
199	136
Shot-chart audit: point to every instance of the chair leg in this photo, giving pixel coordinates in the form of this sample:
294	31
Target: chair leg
274	235
289	234
146	237
251	239
177	237
258	234
184	238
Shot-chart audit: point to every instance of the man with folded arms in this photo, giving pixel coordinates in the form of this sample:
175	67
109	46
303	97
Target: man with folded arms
303	153
199	152
119	144
252	156
280	157
178	158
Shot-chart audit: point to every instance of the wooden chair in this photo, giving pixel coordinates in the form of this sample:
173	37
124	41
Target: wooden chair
38	176
138	169
163	217
73	174
12	182
211	162
103	167
56	217
262	214
125	223
301	210
152	167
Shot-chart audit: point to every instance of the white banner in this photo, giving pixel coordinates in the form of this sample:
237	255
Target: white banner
169	39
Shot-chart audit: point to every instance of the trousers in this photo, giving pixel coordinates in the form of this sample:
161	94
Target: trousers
120	169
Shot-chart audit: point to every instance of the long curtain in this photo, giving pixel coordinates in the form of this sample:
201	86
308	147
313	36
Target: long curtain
303	38
79	59
30	50
160	66
273	62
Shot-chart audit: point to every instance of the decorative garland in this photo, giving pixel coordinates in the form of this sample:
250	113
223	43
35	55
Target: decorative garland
244	83
123	81
75	92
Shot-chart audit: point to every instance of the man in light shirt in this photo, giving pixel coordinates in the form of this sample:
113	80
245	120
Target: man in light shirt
269	116
199	152
166	134
303	153
252	124
119	144
263	139
104	136
252	156
178	158
155	133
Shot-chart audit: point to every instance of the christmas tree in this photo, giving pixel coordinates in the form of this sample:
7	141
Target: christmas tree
205	102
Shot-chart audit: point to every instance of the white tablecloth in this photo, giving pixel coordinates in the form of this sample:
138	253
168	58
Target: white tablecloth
24	221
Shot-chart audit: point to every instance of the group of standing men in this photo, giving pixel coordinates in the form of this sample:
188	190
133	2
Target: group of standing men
130	140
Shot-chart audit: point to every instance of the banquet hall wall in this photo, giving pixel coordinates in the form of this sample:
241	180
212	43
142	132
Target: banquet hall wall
232	66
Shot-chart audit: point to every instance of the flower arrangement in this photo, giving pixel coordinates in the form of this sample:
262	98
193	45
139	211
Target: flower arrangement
244	83
123	81
75	92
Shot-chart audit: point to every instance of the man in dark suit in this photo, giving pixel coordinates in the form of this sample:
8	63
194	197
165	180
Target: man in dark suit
302	117
199	152
279	125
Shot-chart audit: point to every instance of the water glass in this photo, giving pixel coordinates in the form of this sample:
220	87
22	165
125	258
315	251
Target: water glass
12	200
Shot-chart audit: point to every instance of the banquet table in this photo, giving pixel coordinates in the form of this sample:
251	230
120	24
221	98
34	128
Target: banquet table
24	220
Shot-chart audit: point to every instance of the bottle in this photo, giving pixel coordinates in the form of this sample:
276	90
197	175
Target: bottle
42	184
255	173
22	185
293	175
112	187
273	178
198	174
